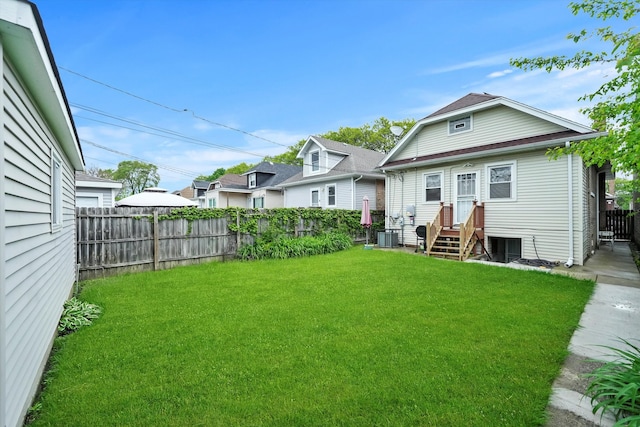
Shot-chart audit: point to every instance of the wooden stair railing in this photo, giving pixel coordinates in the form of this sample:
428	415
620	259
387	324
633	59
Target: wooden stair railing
467	233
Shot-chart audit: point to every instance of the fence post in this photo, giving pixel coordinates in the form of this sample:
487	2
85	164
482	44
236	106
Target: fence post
156	241
238	228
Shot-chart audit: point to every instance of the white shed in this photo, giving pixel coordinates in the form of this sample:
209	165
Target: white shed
40	153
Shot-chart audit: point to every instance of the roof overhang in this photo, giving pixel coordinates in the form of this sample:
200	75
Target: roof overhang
25	43
331	178
507	147
313	140
98	184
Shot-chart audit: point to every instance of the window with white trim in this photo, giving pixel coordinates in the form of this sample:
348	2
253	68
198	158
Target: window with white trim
433	187
213	203
501	181
461	124
315	198
56	191
252	180
315	161
258	203
331	195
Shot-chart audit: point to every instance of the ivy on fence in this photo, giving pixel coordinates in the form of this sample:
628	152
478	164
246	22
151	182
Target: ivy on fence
280	220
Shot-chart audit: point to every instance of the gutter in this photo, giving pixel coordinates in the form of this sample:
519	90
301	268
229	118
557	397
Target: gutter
570	260
353	191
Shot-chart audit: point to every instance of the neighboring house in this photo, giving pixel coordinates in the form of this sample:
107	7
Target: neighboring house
94	192
40	155
227	190
199	190
186	192
489	151
260	189
335	175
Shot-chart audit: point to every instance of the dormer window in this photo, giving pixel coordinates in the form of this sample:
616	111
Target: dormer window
252	180
315	161
461	124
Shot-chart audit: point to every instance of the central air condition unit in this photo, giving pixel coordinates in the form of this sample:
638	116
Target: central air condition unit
387	239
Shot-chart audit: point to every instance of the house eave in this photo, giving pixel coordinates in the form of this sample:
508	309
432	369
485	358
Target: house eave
95	184
328	178
510	149
25	43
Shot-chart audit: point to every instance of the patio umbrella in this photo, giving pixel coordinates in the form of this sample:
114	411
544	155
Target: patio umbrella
365	219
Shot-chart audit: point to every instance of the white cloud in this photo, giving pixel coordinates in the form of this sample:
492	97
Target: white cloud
497	74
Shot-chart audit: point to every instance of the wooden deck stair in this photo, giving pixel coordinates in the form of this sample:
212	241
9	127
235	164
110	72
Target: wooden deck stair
445	241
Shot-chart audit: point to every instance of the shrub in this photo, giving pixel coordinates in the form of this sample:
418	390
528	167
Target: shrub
286	247
76	314
616	386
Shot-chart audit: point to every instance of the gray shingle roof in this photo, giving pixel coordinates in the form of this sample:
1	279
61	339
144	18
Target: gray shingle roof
280	172
465	101
357	160
81	176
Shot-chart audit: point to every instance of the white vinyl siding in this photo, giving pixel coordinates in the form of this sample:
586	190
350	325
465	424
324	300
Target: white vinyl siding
365	187
38	267
489	126
541	208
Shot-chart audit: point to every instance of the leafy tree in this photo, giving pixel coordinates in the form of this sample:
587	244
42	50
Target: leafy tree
215	175
135	177
289	157
99	173
376	137
624	193
239	169
617	108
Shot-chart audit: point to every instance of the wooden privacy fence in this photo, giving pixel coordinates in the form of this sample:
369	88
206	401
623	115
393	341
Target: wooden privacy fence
113	241
621	222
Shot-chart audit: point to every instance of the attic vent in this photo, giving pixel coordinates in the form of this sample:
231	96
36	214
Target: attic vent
461	124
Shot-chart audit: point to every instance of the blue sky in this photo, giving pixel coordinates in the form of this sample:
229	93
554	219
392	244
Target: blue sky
168	81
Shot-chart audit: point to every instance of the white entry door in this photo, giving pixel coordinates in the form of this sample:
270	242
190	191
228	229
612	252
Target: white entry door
466	193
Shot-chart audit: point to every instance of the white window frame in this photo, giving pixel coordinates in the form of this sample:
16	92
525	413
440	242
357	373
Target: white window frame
424	187
335	195
213	202
253	179
253	202
459	121
56	191
513	165
316	190
311	164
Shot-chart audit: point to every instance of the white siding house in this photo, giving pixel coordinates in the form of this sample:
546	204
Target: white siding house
335	176
485	149
94	192
40	153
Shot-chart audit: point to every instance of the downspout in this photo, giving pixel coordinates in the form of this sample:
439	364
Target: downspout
569	262
353	192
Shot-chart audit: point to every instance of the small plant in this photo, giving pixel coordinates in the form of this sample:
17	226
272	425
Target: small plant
616	386
76	314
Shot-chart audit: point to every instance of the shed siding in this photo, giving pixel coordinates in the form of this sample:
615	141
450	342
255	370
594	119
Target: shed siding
38	264
489	126
540	209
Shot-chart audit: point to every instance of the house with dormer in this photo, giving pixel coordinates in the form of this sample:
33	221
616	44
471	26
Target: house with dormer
475	175
258	188
335	175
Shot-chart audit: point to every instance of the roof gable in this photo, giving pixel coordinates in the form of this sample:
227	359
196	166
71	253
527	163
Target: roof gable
474	103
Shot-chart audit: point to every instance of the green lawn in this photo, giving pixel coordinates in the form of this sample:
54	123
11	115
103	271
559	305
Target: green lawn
355	338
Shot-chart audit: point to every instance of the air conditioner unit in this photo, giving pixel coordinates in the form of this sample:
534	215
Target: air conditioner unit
387	239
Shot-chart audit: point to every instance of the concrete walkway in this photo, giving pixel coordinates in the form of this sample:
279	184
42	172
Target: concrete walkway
613	312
